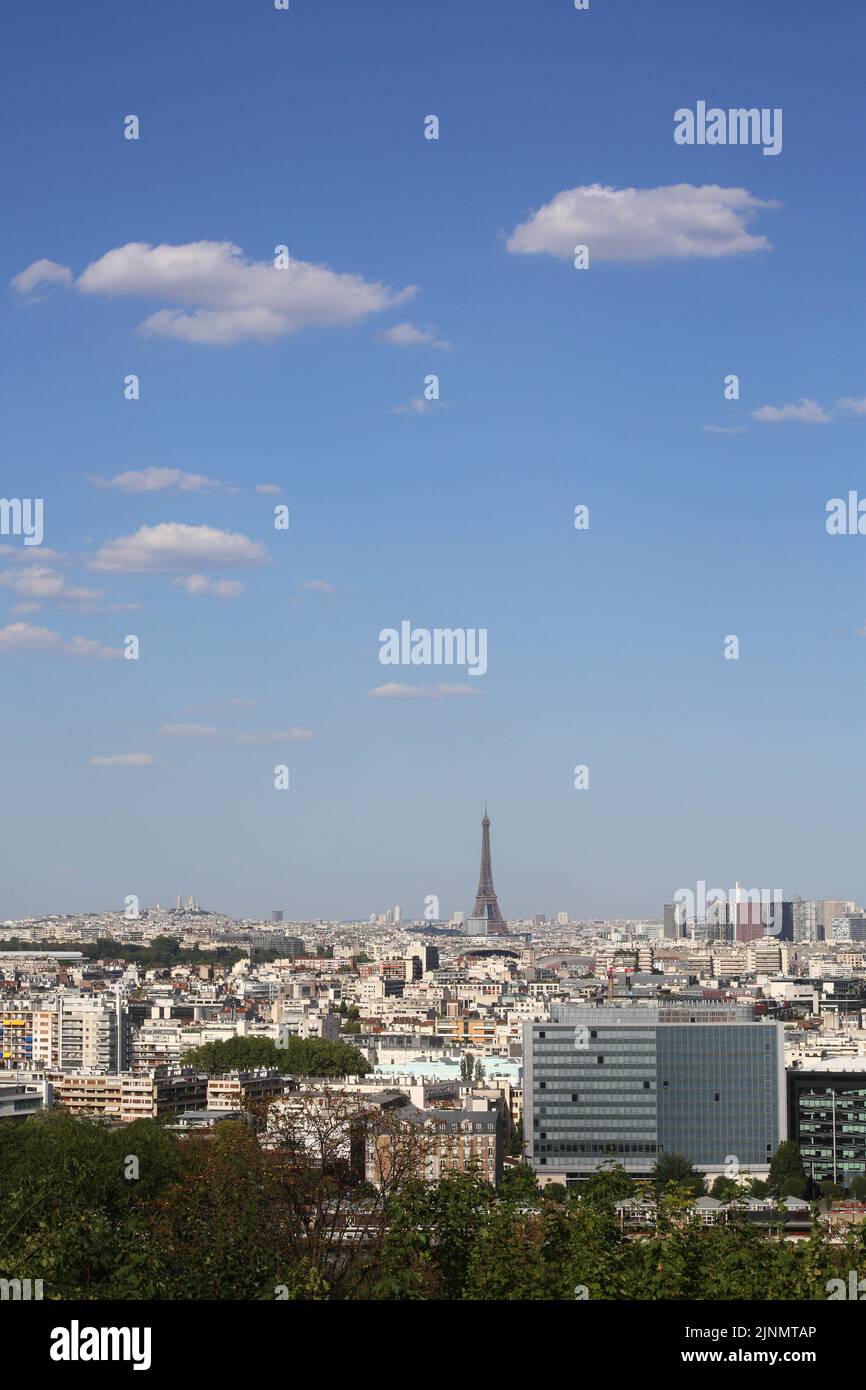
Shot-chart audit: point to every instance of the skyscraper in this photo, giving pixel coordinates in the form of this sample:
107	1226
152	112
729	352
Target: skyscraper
486	905
674	921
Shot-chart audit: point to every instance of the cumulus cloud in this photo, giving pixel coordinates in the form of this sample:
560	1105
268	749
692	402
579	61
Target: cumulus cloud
269	489
677	221
197	585
855	405
157	480
207	731
407	335
218	296
41	273
318	586
121	760
172	546
806	410
33	555
395	691
42	582
725	429
24	637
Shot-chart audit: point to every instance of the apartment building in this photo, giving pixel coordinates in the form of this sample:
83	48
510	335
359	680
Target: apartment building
232	1091
124	1097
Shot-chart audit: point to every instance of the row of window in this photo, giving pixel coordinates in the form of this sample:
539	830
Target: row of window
597	1148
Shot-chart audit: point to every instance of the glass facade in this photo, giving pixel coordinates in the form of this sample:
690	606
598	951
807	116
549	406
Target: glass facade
828	1121
626	1083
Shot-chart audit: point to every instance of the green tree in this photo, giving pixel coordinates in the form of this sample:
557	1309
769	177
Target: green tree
725	1189
786	1165
300	1057
518	1184
676	1170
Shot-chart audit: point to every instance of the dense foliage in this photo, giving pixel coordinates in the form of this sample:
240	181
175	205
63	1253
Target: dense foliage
161	953
216	1216
299	1057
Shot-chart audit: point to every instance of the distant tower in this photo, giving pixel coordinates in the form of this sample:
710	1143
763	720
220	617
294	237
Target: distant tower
485	899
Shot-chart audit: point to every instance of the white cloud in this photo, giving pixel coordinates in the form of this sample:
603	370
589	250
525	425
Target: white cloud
407	335
319	586
395	691
199	584
41	273
26	608
42	582
121	760
218	296
806	410
33	555
24	637
157	480
207	731
171	547
643	224
270	489
856	405
725	429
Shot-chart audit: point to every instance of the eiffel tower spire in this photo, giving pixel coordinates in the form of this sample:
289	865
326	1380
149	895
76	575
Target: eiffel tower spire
486	904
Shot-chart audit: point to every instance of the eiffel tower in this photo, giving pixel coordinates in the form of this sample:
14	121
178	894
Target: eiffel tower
486	904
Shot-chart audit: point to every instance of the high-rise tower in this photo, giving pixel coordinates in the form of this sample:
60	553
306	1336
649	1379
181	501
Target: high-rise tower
486	905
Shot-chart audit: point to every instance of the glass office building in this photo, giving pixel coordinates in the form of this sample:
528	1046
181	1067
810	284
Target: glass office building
827	1109
628	1082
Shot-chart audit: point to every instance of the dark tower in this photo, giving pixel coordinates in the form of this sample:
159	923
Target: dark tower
485	899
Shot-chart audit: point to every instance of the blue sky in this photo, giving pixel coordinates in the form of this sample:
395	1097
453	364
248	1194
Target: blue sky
558	387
